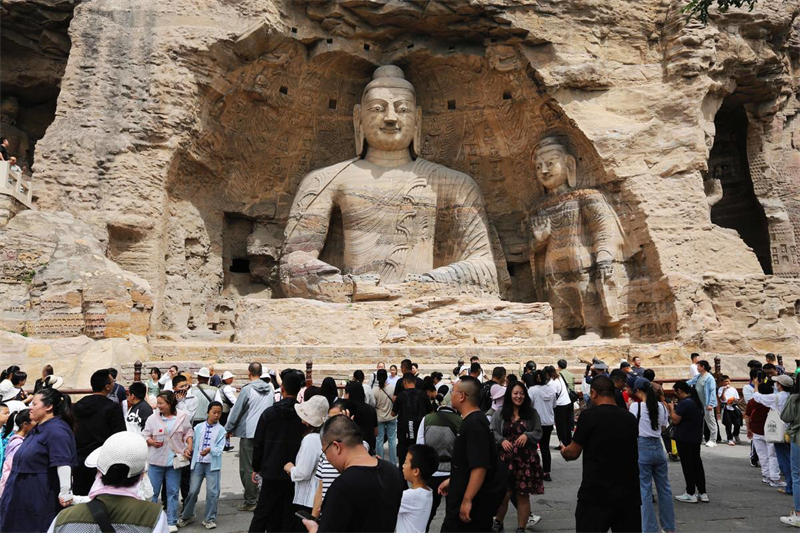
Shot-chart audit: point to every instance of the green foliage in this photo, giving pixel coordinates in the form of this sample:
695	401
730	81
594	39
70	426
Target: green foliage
699	8
27	276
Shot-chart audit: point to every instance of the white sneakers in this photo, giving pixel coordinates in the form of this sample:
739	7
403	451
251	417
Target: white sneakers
687	498
777	484
692	498
791	520
711	444
532	521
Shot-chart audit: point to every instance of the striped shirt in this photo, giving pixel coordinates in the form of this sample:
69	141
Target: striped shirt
326	473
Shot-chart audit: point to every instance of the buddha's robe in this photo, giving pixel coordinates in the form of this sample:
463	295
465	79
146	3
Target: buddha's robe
418	219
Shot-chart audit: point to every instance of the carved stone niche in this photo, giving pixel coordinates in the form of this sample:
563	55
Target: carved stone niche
282	106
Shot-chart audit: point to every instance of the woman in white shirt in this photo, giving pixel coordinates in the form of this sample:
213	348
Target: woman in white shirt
564	414
544	401
312	413
652	416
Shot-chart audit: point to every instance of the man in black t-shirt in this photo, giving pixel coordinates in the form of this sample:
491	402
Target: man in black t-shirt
476	486
620	379
367	494
3	149
138	409
406	367
410	407
609	496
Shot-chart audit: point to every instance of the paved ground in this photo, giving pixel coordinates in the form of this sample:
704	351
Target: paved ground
739	501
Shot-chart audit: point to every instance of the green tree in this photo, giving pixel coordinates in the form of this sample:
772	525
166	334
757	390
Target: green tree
699	8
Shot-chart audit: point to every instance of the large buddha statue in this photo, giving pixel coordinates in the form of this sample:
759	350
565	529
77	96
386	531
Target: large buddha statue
409	225
576	247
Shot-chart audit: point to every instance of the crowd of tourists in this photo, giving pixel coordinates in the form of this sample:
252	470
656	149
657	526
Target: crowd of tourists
385	452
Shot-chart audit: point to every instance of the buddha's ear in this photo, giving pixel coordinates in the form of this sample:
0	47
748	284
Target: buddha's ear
359	131
572	170
416	145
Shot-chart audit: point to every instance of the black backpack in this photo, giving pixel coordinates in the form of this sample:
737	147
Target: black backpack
485	399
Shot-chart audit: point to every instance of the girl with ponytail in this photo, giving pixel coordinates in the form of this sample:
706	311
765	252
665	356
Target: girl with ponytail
21	422
652	416
40	481
688	419
5	380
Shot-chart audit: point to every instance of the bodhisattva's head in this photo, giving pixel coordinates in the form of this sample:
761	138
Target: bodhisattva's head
556	169
388	117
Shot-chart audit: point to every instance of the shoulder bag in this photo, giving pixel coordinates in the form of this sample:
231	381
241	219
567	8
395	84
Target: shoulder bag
100	515
573	396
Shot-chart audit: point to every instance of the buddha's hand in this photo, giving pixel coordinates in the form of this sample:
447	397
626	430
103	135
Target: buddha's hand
303	265
540	229
302	275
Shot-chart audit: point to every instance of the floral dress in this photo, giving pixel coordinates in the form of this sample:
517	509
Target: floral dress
523	463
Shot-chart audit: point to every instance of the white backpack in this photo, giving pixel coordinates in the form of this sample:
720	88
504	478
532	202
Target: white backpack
774	428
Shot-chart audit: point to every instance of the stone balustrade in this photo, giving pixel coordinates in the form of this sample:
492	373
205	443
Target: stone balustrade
15	184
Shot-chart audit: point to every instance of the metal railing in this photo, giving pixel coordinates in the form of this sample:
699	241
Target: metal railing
15	184
137	376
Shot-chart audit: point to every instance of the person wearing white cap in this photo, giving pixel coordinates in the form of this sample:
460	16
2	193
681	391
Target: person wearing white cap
312	413
121	462
227	394
205	394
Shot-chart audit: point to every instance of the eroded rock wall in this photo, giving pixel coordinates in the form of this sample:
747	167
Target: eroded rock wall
198	118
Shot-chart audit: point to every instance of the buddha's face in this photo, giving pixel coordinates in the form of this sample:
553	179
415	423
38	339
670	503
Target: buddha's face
551	167
389	118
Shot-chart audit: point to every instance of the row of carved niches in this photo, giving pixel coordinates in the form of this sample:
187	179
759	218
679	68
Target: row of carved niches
289	112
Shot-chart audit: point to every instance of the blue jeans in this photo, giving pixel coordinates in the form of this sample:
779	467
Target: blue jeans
200	472
796	475
783	452
653	467
387	431
173	478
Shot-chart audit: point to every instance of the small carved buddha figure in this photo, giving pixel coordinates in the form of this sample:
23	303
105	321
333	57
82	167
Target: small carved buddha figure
576	246
404	220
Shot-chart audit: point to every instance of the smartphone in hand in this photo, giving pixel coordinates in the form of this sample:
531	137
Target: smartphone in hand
305	515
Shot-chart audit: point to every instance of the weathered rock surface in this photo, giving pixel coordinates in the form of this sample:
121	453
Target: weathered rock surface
56	282
427	321
75	359
198	118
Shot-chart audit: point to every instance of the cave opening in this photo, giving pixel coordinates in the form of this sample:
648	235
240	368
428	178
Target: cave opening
36	46
235	261
739	209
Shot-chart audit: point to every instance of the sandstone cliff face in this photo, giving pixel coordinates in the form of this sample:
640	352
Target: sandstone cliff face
56	282
198	118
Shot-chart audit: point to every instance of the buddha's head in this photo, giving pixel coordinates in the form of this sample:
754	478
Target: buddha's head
388	117
555	166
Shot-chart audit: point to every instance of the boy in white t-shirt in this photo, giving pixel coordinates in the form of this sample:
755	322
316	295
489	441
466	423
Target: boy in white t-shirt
420	464
731	416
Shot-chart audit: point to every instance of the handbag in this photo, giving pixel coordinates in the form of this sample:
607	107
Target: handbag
775	428
573	396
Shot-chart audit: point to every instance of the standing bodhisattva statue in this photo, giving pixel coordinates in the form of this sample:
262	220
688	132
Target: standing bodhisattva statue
576	247
407	222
